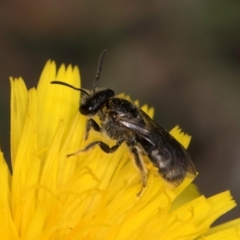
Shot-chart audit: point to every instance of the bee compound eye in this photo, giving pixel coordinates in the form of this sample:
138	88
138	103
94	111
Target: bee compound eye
86	109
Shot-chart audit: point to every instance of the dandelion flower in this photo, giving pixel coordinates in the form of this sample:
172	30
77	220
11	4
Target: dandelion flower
91	195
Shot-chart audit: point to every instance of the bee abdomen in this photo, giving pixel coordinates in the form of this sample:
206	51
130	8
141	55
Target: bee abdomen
168	166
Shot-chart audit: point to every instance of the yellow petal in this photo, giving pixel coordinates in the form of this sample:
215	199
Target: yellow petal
229	230
7	225
18	107
56	102
27	150
180	136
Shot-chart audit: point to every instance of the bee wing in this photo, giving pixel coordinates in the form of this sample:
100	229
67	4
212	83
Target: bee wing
139	126
143	125
159	138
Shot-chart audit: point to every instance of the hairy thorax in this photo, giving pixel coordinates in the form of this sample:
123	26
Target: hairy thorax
112	129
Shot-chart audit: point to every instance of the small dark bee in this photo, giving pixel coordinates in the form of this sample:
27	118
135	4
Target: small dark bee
123	121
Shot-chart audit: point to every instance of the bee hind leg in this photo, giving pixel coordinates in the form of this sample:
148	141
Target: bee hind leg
140	165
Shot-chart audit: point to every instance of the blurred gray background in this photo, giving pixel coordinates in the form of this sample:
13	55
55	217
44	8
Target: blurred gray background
182	57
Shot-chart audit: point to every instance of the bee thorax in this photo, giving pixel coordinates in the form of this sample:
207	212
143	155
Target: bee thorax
114	132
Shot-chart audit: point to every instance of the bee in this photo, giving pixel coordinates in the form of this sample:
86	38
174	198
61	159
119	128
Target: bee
125	122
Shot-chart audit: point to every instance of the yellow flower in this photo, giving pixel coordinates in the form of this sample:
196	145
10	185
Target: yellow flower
92	195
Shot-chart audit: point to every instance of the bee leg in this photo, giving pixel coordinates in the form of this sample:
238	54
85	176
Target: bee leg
91	124
102	145
140	165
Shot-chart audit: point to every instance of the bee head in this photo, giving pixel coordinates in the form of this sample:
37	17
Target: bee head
92	100
91	103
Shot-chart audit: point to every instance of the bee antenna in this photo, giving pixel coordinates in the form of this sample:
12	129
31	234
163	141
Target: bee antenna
68	85
99	68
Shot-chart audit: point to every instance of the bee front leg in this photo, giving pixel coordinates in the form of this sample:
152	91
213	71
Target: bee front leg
91	124
102	145
139	163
